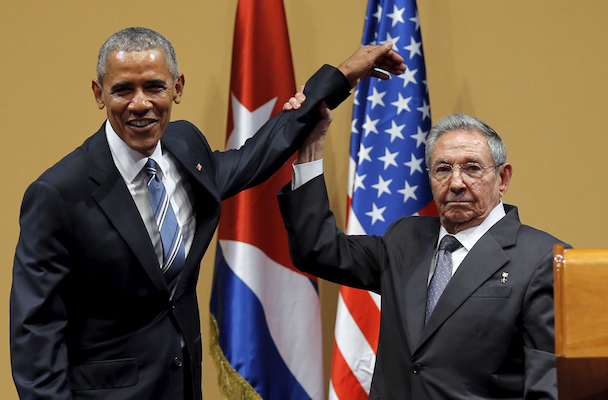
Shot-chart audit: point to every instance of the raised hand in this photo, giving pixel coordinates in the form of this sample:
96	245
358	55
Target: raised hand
372	61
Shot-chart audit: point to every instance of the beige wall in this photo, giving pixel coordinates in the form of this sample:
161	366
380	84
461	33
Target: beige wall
533	70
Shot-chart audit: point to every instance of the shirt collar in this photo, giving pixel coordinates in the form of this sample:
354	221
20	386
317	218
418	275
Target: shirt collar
468	237
128	161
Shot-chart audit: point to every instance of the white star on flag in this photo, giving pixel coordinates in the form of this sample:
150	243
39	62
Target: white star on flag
393	40
396	16
247	123
395	131
425	109
402	104
419	137
359	182
409	192
389	158
378	14
364	153
376	98
376	213
414	48
382	186
416	21
369	125
408	76
415	164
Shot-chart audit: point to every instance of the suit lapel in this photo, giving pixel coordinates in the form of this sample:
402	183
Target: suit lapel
484	259
415	288
116	202
198	168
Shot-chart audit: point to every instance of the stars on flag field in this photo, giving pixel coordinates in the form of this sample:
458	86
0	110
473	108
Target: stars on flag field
391	120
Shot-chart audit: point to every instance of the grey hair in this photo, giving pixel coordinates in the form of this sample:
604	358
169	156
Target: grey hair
136	39
464	122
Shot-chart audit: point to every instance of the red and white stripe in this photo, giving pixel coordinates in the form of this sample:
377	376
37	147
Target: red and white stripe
357	330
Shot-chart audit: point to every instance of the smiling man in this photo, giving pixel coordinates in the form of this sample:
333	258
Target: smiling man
103	302
467	298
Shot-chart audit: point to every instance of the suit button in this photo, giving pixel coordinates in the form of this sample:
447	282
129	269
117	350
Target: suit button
416	369
177	362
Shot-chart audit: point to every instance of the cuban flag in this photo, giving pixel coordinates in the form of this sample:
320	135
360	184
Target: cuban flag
387	180
265	315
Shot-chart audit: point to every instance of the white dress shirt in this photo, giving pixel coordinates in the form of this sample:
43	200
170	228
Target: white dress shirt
469	237
130	164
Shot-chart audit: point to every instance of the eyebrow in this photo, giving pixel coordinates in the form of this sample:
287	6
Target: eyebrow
120	85
474	159
157	82
123	85
466	160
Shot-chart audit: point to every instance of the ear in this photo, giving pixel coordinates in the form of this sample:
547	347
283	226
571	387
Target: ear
505	173
179	88
98	92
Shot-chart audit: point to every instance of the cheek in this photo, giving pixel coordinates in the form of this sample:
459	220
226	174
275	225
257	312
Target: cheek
437	189
116	107
166	107
480	193
477	188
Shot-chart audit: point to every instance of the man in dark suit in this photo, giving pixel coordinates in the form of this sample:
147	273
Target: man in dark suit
468	320
103	303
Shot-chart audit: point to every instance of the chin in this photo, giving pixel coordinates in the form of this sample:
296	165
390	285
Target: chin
145	149
458	217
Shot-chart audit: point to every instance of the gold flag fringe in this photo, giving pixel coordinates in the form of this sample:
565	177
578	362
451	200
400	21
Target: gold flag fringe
232	385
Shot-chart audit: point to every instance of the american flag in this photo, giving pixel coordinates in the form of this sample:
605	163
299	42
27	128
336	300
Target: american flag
387	179
265	314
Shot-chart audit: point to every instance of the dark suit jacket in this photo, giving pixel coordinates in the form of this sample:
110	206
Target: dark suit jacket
91	316
485	339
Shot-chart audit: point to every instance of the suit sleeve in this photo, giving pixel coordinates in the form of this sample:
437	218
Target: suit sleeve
539	334
318	247
278	139
38	316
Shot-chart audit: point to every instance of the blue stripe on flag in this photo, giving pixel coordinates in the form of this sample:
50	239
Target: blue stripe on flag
253	353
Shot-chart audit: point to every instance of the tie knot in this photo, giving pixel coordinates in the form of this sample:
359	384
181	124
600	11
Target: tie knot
151	167
449	243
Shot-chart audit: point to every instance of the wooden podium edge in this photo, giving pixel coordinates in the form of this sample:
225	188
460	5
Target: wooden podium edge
558	291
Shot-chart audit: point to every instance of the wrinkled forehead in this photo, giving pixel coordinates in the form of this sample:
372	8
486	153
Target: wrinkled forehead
131	61
459	146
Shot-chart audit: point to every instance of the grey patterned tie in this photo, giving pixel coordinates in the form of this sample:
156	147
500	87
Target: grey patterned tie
442	274
170	231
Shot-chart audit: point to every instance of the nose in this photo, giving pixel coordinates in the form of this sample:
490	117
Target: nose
140	102
456	181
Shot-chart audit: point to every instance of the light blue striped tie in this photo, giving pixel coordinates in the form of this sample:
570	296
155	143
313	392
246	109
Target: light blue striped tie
170	231
442	274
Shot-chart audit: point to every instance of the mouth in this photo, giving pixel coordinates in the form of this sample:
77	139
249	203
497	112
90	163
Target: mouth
141	124
458	202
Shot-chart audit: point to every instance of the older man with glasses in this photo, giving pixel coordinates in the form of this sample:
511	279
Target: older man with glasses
467	298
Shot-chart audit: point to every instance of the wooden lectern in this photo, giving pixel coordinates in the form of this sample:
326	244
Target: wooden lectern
581	322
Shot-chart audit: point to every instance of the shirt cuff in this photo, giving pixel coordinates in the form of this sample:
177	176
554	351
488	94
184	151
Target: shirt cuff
302	173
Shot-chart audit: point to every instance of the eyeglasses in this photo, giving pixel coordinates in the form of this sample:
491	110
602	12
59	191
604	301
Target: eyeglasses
472	170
